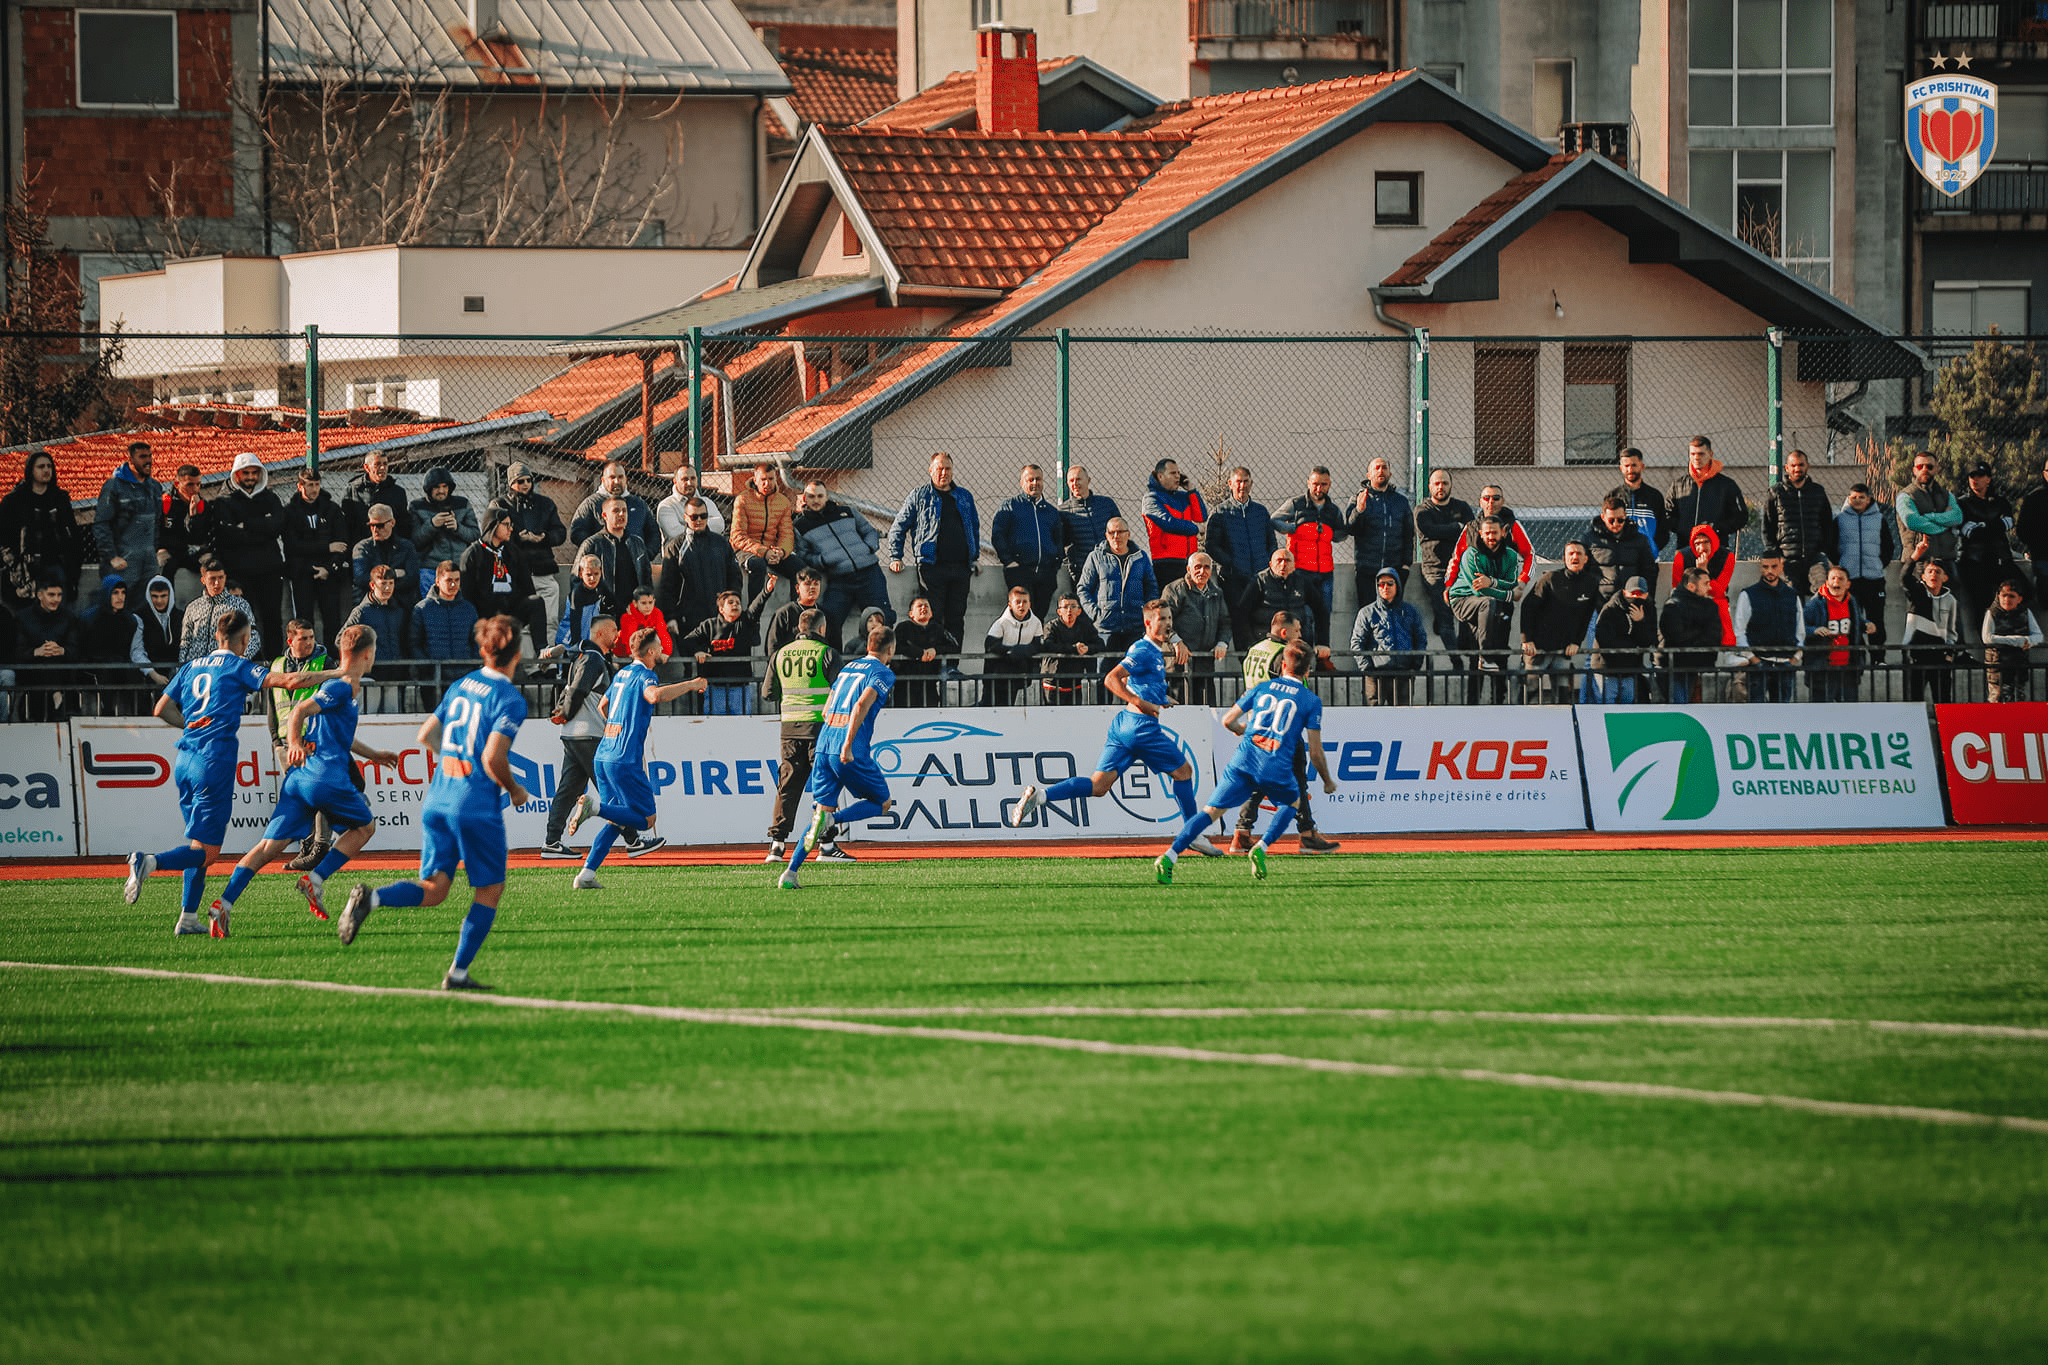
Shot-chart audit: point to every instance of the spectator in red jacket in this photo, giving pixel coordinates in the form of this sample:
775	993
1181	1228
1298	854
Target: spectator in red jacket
1703	550
1174	517
642	615
1313	524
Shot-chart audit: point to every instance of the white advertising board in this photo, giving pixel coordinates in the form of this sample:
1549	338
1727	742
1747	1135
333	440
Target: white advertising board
37	818
1410	769
1840	765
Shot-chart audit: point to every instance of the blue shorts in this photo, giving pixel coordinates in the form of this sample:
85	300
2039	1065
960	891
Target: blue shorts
474	838
206	794
1239	786
1135	739
623	788
302	796
861	777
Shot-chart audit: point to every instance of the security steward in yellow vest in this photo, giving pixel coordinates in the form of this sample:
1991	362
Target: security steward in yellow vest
1261	661
800	674
303	654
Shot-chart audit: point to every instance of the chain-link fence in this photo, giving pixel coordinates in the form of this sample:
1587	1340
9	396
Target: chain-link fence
1541	417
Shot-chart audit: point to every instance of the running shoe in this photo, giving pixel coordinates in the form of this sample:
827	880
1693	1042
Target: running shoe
647	845
1202	846
831	852
558	849
778	852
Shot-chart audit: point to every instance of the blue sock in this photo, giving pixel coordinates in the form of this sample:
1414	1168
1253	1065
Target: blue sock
401	894
331	864
181	859
1191	831
607	835
1071	788
1282	818
476	926
238	882
195	889
1184	795
857	812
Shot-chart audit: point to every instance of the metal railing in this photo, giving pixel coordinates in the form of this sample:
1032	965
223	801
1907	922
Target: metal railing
49	692
1985	21
1288	20
2013	187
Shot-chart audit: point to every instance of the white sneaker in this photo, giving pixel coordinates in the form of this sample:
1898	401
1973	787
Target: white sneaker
1027	806
815	835
314	888
649	843
585	808
1202	846
586	880
778	852
786	882
190	923
140	865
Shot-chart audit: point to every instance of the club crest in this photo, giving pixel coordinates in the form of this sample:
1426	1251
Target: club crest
1951	129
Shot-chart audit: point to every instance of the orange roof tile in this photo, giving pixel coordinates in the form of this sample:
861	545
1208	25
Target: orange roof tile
946	103
988	210
837	86
571	395
1467	229
1230	136
86	462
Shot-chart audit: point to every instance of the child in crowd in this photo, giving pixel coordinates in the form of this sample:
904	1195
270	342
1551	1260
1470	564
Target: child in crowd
723	647
1014	640
921	644
1066	654
642	615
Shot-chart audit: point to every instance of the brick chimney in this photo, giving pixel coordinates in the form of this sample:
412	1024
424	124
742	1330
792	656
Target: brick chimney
1608	139
1006	80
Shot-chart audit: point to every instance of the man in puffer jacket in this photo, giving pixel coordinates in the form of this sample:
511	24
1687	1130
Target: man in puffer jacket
444	624
1313	524
843	545
536	530
1029	536
1173	521
1702	493
1201	630
443	523
1388	641
1382	530
1799	519
124	525
1557	622
247	523
1689	628
1240	537
1279	587
1865	541
697	568
1625	628
942	533
1116	583
1087	516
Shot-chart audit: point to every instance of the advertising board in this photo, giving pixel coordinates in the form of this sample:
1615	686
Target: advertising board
1996	757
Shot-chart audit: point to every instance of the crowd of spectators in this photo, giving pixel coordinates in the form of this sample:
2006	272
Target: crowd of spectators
173	557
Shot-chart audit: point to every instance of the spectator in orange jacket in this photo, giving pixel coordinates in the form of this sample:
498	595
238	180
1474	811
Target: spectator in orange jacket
1703	550
1313	523
642	615
763	527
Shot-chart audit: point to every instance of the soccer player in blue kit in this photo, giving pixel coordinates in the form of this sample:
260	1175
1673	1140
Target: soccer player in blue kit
1274	717
207	699
463	820
625	798
1135	734
320	745
843	758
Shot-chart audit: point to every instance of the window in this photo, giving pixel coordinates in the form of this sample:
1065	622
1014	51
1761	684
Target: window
127	60
1081	6
1761	64
1504	405
985	12
653	232
1397	198
1974	307
363	393
849	236
1551	96
1595	403
1781	203
2022	125
472	303
394	390
1450	73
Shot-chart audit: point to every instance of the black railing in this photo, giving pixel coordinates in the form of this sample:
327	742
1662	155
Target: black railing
1288	20
1985	21
2014	187
50	692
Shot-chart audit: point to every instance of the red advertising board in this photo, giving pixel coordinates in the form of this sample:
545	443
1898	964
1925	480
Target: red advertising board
1996	762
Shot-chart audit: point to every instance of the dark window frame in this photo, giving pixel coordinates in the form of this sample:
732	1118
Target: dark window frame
81	40
1413	179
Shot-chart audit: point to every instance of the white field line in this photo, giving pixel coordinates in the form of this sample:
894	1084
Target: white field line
1101	1048
1397	1015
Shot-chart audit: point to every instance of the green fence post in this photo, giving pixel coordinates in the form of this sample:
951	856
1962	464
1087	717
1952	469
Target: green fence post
1420	439
1064	352
1774	372
696	345
312	399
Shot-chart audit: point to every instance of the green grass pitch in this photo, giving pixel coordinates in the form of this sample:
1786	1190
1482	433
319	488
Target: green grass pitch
225	1173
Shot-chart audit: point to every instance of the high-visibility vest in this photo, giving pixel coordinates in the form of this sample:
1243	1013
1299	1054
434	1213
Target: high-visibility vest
800	671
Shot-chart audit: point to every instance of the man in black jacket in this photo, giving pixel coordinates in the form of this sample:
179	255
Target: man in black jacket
536	530
1689	628
366	490
697	567
622	554
1799	519
1440	520
495	579
1556	622
1618	550
586	677
247	523
317	549
1645	505
184	532
611	483
1702	495
2030	527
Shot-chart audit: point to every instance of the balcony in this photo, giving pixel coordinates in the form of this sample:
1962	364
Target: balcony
2007	190
1984	21
1273	30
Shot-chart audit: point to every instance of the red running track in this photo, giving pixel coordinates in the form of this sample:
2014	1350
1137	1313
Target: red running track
1584	841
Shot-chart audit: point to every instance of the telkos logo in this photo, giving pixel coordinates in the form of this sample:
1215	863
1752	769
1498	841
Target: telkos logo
1663	759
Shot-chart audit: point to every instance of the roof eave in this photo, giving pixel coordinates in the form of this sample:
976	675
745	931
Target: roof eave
763	317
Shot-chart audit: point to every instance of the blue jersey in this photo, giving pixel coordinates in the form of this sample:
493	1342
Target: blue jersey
211	694
626	713
857	677
330	732
1145	671
476	707
1276	713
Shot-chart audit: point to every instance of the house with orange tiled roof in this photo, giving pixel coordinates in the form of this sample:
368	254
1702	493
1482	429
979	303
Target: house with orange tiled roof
901	295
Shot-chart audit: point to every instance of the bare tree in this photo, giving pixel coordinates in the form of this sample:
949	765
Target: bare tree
52	381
